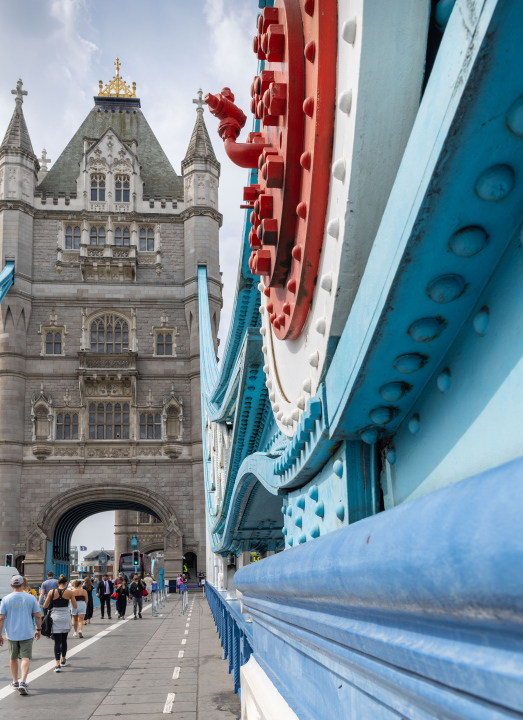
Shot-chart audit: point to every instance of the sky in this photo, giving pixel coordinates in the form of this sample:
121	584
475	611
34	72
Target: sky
170	48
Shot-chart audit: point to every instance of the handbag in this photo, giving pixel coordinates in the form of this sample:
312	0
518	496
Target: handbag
114	596
47	622
144	593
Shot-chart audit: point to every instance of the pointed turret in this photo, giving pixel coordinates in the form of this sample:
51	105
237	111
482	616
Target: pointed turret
17	135
200	146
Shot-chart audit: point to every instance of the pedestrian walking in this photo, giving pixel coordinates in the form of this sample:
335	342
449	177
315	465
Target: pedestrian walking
148	584
182	587
88	587
122	599
80	595
136	591
61	617
50	584
17	611
28	589
104	591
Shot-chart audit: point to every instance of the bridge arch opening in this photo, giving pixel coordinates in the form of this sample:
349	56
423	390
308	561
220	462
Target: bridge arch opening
49	542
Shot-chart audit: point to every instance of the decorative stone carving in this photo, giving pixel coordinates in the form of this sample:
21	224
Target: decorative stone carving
42	420
108	452
108	389
65	452
172	451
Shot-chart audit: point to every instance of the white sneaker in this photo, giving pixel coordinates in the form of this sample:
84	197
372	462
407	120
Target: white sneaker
80	634
75	634
63	663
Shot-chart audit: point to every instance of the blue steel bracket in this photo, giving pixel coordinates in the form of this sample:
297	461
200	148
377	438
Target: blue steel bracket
455	205
7	278
418	610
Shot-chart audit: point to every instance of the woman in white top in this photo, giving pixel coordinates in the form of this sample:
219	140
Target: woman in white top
81	597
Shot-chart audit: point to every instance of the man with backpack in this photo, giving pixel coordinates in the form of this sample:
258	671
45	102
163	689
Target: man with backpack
136	592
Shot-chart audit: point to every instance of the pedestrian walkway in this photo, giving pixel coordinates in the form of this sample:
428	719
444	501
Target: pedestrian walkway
169	664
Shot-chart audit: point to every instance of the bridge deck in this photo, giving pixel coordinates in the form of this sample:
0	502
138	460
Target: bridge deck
128	669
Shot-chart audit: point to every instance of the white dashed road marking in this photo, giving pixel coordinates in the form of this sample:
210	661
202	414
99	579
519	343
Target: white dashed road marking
168	707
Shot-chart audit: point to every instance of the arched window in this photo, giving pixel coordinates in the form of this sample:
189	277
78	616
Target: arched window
109	334
144	518
97	236
150	426
121	188
108	421
53	343
164	344
147	240
156	520
67	426
122	237
97	188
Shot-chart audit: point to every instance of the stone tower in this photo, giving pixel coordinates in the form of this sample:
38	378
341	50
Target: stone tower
99	341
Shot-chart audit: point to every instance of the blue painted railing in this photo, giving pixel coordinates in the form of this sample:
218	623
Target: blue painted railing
235	633
7	277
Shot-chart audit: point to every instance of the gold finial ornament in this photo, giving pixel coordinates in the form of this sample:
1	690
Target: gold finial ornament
117	87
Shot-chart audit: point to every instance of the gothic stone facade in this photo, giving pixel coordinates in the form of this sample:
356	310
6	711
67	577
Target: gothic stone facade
99	349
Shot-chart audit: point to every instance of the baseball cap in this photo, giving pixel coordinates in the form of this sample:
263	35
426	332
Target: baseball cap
17	580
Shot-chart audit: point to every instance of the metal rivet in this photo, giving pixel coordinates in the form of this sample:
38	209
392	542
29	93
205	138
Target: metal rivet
392	392
315	531
272	396
295	414
276	408
414	424
326	282
495	183
444	381
338	169
279	415
265	368
299	521
383	414
345	101
482	321
302	539
268	383
314	359
426	329
262	308
348	31
289	510
308	106
515	117
310	51
290	541
263	330
284	510
319	510
284	531
446	288
313	492
390	454
370	435
333	228
308	6
410	363
338	468
340	511
264	349
261	287
307	384
300	502
321	324
468	242
300	402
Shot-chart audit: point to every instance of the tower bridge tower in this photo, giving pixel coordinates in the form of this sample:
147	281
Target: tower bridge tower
99	350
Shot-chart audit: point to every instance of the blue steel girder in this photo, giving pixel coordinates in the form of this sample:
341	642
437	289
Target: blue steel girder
7	277
455	205
251	411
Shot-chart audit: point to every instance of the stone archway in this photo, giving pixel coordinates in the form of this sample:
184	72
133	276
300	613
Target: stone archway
94	497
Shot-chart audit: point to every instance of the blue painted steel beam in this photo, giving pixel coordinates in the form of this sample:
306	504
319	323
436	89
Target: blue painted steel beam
7	278
417	609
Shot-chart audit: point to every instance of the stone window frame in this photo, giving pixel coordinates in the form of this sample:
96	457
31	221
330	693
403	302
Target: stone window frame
87	319
53	327
149	232
113	403
64	413
76	238
100	180
125	239
164	329
123	179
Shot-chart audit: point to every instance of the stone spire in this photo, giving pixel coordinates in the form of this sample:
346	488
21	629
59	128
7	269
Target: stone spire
17	135
200	145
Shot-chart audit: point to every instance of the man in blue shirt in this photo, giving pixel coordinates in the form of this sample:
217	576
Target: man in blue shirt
50	584
17	610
